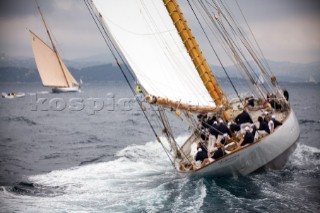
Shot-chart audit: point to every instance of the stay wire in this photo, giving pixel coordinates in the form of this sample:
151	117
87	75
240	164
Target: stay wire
225	71
94	16
232	44
266	62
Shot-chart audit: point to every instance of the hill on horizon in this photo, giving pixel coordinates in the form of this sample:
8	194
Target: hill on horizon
24	70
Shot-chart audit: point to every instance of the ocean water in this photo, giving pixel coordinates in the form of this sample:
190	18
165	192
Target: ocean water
94	152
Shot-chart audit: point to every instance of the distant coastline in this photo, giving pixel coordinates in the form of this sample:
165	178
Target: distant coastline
24	70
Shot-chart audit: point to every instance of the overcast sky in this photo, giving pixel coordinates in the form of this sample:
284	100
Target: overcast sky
287	30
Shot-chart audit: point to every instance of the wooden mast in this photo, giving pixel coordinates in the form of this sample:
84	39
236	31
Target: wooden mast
195	52
53	46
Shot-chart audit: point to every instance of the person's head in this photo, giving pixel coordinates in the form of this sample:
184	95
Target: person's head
247	129
203	136
199	145
260	119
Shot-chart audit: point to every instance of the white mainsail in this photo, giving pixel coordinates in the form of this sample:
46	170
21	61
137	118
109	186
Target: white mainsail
52	70
147	38
48	64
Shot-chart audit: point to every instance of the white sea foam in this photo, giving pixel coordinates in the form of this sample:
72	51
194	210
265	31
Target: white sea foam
140	179
305	156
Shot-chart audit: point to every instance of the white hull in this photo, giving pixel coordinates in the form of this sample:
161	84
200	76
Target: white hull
257	155
65	89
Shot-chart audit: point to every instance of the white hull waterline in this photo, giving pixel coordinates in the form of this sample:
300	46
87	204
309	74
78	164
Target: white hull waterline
250	158
65	89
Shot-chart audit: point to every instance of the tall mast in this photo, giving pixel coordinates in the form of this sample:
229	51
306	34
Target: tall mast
195	53
53	46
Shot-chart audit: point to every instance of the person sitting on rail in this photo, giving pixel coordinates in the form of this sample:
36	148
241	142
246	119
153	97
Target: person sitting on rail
275	121
234	129
263	129
218	153
249	103
223	129
270	124
274	103
243	118
248	137
266	116
200	156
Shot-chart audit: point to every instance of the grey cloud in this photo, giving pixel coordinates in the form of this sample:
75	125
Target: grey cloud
22	8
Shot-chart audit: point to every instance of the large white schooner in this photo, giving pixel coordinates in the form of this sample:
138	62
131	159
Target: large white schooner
154	41
53	72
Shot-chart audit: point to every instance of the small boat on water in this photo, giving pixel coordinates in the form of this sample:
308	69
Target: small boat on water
312	80
154	43
53	72
12	95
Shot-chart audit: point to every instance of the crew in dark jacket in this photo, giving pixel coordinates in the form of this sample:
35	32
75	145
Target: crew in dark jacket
275	122
201	154
223	129
214	129
243	117
263	125
286	93
248	137
218	153
233	127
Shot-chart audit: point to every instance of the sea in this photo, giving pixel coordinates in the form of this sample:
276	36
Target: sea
94	151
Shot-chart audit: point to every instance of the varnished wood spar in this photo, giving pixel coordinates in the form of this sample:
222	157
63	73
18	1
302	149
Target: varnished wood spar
195	53
178	105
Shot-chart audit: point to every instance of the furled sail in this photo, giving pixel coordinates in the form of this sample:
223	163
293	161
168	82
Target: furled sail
147	37
52	70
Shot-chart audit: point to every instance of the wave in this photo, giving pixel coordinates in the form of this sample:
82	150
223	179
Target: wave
20	119
34	189
305	121
90	139
141	179
52	156
305	158
92	160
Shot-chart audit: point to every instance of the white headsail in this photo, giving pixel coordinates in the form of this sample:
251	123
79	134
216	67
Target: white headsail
147	37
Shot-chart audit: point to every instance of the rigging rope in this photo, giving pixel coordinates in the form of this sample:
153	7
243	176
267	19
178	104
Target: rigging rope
225	71
232	44
108	42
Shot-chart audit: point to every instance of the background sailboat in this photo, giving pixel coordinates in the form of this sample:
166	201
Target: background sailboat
164	58
312	80
53	72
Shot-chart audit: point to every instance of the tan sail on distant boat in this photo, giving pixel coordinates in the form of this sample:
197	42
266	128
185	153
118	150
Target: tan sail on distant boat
227	131
53	72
